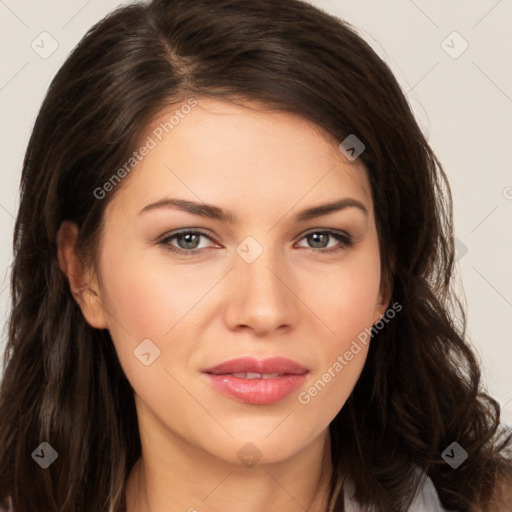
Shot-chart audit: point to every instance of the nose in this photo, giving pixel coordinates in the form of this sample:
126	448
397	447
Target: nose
262	296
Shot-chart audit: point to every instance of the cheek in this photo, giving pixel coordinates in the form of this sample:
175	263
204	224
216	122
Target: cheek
342	355
346	304
132	303
346	299
140	292
147	299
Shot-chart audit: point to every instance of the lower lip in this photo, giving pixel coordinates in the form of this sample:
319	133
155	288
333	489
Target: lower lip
257	391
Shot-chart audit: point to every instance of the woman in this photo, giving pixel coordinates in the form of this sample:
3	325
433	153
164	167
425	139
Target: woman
232	281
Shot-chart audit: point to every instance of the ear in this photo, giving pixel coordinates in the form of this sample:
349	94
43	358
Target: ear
383	299
83	284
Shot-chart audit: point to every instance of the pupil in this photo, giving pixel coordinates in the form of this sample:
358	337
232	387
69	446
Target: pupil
317	239
190	242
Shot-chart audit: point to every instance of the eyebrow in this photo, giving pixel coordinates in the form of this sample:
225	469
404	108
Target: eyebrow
214	212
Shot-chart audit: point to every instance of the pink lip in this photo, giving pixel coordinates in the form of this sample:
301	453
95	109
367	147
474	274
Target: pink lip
257	391
251	364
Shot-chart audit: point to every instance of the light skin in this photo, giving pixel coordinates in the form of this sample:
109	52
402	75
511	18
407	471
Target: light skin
294	300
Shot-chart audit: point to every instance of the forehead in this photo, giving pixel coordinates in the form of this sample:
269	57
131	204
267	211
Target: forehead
219	151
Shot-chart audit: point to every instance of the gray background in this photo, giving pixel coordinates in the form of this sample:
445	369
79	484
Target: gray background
462	98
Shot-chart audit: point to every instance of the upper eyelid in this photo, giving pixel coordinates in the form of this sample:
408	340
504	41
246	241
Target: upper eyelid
199	231
184	231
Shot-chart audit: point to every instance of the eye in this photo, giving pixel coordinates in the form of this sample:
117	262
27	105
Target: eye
188	242
319	241
185	242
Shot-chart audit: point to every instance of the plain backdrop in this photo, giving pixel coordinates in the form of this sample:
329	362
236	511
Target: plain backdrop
452	60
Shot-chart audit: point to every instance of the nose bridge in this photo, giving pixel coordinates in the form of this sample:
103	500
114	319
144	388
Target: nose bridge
261	298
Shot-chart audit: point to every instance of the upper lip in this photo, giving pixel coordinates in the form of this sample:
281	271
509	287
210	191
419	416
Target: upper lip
279	365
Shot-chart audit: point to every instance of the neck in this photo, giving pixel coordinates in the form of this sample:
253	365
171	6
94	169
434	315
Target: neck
298	484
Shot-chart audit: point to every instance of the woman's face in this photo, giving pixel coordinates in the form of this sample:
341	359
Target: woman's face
272	277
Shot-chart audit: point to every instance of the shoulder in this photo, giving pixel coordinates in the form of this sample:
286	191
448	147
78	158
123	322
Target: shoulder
425	500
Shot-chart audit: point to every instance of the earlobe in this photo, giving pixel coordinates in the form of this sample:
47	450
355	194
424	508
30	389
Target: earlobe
379	315
82	288
383	301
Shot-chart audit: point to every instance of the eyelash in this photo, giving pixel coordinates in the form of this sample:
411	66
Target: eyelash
345	239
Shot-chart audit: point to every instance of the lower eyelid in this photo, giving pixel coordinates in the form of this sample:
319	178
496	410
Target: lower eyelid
342	238
167	240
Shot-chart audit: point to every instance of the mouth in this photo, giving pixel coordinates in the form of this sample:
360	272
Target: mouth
253	375
257	382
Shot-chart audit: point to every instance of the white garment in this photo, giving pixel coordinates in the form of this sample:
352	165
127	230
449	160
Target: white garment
426	499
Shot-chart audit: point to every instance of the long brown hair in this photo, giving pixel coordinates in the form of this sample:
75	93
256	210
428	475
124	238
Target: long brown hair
420	389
